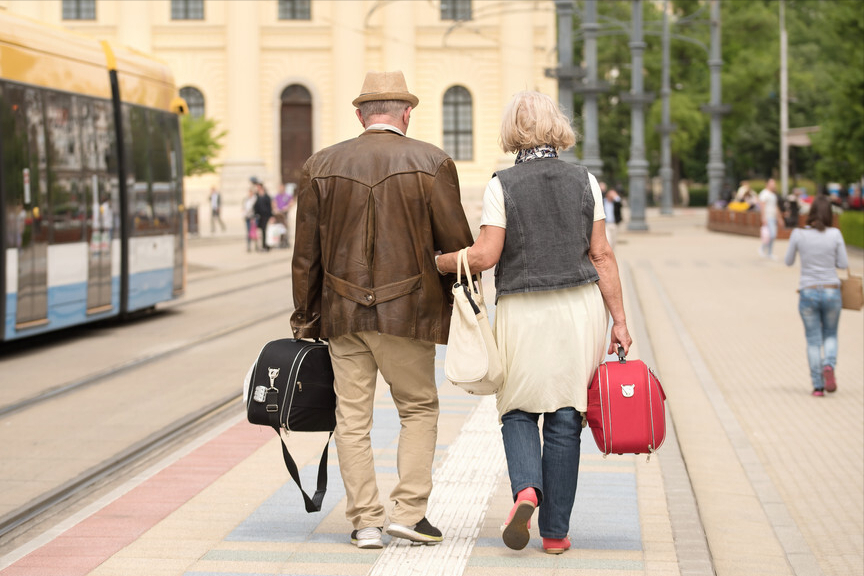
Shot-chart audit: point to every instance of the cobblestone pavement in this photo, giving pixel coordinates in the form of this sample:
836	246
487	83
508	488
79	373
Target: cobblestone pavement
756	477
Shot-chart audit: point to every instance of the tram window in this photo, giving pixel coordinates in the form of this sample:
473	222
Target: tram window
14	155
106	160
24	166
66	188
161	165
140	191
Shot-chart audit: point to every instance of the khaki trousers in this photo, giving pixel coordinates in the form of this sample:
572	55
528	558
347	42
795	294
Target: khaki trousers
408	367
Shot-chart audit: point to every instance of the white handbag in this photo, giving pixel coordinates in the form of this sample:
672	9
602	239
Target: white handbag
472	360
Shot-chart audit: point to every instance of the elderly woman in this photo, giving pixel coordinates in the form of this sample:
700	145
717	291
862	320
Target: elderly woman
543	224
822	251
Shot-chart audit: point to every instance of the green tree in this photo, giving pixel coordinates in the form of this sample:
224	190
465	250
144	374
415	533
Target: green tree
826	86
201	143
840	143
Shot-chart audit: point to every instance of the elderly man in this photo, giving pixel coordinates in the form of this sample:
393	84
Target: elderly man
371	214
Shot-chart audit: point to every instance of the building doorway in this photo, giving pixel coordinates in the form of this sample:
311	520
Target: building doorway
296	132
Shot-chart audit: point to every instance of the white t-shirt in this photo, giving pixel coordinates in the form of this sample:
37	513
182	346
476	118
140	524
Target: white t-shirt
769	199
493	203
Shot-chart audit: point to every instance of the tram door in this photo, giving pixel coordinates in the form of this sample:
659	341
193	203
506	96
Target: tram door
296	130
24	170
100	218
96	125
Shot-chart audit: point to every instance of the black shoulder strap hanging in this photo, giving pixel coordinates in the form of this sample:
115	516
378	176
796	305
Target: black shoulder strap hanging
313	504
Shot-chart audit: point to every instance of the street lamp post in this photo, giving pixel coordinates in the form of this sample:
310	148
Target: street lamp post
590	88
637	166
716	167
566	73
666	128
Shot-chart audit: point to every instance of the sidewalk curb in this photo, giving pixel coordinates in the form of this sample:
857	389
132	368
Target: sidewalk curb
691	544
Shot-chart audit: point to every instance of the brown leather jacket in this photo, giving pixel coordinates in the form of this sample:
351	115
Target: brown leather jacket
371	213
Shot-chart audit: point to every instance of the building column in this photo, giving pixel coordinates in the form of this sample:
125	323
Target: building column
349	67
243	120
399	42
591	88
517	61
134	26
637	166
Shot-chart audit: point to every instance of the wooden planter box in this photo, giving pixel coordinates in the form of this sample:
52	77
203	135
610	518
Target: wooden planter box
748	223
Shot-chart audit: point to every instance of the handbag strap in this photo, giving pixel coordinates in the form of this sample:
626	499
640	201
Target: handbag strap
313	504
462	259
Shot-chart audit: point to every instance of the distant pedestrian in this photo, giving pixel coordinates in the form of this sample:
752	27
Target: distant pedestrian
557	282
215	210
822	251
612	208
249	215
263	213
770	210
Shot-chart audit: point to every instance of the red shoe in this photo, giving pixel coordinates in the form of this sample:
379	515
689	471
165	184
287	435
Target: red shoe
829	379
556	545
516	535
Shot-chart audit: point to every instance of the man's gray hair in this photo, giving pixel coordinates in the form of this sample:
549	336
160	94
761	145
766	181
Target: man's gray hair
392	108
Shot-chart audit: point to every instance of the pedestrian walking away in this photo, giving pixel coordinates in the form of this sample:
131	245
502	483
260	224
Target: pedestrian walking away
768	206
249	215
371	214
263	212
612	208
555	277
822	251
215	210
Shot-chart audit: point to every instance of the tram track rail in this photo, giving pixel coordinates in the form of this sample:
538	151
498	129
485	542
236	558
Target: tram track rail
113	465
91	379
174	431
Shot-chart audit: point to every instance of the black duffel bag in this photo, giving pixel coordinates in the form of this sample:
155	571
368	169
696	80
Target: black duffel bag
290	387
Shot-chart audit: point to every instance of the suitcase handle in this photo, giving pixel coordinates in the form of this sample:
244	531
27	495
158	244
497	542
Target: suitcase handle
621	355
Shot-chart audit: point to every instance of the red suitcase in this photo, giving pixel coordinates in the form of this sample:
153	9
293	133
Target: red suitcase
626	409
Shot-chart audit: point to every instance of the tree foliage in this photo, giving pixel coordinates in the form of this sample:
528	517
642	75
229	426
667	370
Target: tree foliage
825	86
201	143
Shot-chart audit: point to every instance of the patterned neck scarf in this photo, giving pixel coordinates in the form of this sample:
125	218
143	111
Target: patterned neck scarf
541	151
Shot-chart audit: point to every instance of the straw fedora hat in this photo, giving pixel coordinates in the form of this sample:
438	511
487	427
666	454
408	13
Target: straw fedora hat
385	86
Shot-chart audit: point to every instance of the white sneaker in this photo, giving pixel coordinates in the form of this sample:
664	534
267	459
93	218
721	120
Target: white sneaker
367	538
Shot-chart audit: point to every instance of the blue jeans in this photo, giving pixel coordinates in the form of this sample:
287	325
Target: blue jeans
820	311
552	471
772	235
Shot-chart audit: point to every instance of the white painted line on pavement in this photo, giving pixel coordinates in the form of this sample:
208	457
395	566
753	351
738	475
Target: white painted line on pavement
463	486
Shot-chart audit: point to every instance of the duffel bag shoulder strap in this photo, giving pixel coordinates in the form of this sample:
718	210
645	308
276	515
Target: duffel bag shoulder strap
313	504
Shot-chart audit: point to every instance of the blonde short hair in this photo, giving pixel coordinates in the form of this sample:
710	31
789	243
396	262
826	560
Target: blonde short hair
532	119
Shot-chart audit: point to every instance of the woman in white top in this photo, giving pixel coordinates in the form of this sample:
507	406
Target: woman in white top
556	279
822	251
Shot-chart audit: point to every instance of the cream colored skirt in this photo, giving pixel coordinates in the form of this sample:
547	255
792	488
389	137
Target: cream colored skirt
550	344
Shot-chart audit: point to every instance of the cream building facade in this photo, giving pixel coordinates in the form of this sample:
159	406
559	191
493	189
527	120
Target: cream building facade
282	86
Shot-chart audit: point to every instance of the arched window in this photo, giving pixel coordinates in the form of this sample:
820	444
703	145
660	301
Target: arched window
458	124
194	100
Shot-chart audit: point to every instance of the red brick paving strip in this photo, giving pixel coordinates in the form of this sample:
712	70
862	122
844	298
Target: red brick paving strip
88	544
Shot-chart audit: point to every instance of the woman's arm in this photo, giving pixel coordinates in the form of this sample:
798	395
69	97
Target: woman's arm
484	254
604	261
842	258
793	248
